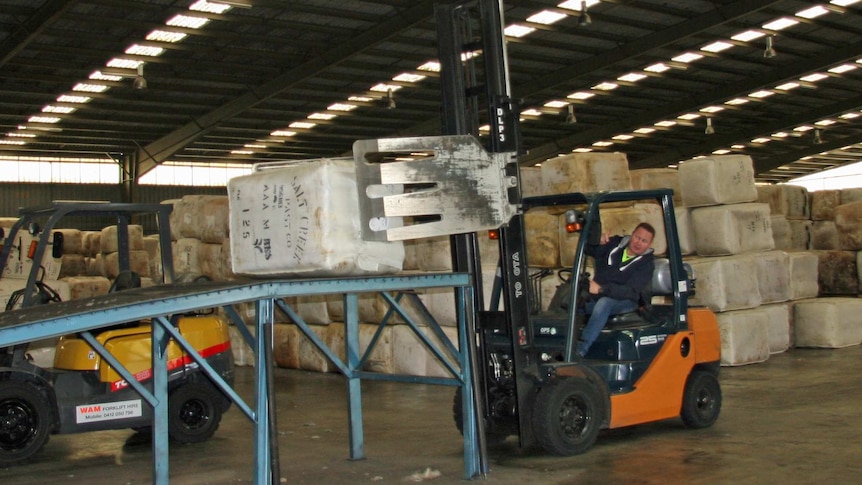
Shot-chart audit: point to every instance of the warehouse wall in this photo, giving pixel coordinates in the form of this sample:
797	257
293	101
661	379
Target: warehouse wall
16	195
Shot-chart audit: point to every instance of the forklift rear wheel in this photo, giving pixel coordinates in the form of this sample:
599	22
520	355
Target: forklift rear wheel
492	437
25	421
194	413
701	402
567	416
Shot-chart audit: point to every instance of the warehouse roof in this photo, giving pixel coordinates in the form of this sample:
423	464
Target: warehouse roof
778	80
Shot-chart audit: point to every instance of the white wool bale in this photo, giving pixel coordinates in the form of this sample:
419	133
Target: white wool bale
97	267
725	179
108	239
804	270
823	204
203	217
72	265
90	243
186	252
174	218
303	219
726	283
138	262
87	286
542	228
152	247
285	351
657	178
73	240
732	229
828	322
411	357
744	336
311	357
685	230
371	307
773	276
780	326
531	182
435	253
586	172
440	302
848	222
311	308
824	235
837	273
209	257
381	359
411	255
791	201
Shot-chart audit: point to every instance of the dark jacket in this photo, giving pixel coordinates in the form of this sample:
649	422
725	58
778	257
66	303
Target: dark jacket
621	281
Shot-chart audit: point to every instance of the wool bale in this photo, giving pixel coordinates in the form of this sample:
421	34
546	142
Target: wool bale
174	218
823	204
744	336
310	308
381	359
804	270
411	255
371	308
186	252
780	326
209	257
97	267
851	195
657	178
531	182
726	283
542	228
87	286
440	302
203	217
73	265
73	241
685	230
828	322
225	271
311	357
303	219
435	253
732	229
138	262
837	273
773	276
243	355
586	172
411	357
108	239
725	179
848	222
791	201
824	235
285	351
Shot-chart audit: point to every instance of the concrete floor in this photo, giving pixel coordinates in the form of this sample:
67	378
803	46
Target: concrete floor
794	419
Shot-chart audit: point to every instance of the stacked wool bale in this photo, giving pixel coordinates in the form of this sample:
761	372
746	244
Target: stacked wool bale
737	270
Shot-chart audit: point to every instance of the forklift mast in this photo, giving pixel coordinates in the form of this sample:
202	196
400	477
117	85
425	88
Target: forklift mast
474	82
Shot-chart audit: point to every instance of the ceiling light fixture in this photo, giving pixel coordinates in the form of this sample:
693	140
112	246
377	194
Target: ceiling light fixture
818	140
584	18
710	130
390	99
769	52
570	117
140	82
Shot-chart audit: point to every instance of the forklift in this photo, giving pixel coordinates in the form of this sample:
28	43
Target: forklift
656	363
83	391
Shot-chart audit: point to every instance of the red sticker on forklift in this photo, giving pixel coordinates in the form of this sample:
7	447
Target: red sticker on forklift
91	413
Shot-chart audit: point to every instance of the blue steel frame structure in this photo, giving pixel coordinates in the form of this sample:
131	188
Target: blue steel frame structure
158	303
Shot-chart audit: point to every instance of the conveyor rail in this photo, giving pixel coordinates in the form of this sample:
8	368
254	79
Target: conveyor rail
158	302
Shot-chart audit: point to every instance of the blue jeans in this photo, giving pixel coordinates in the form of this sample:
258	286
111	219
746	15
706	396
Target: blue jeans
600	310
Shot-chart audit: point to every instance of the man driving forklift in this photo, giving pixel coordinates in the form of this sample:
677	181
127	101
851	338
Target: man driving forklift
623	267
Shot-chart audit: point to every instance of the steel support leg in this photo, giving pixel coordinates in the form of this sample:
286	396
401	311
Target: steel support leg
354	390
262	470
160	410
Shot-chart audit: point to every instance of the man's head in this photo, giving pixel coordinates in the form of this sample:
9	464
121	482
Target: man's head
641	238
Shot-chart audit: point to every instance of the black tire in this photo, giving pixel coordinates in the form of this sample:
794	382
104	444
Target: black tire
25	421
194	413
492	437
701	403
567	416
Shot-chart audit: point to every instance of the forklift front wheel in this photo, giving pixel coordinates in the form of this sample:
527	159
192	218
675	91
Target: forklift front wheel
194	413
567	416
701	402
25	421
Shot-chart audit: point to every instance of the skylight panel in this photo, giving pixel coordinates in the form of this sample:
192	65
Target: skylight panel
657	67
717	46
302	124
144	50
90	88
606	86
581	95
632	77
341	107
187	21
546	17
408	77
432	66
557	103
165	36
812	12
687	57
211	7
842	68
517	30
384	88
813	78
780	24
748	35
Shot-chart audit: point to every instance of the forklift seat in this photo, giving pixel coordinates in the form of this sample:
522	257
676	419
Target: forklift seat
660	285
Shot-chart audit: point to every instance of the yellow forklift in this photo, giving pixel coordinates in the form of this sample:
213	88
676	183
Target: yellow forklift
82	391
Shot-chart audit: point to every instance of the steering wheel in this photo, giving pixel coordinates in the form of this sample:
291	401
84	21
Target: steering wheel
46	294
565	275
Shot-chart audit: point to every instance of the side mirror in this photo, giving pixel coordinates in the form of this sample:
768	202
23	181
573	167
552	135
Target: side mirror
33	228
57	245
